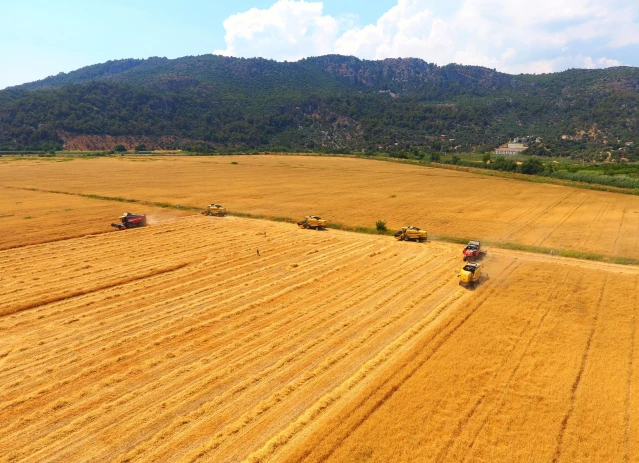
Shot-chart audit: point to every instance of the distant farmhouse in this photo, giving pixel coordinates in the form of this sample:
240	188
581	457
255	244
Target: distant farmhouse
511	148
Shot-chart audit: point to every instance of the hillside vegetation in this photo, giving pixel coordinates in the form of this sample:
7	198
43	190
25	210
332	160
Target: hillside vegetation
330	103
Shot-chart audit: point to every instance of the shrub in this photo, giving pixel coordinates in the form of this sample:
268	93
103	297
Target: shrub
380	225
119	148
435	157
532	166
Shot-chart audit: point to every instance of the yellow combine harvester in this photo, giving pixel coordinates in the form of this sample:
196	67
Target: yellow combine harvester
312	221
411	233
471	274
215	210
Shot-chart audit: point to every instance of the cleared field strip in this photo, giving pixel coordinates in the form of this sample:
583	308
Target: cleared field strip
541	366
354	192
178	342
33	217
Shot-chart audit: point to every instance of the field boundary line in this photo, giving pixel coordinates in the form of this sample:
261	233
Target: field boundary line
559	252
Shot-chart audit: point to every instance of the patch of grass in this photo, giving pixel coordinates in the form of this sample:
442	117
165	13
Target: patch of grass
247	215
6	215
234	162
28	217
358	229
392	196
104	198
283	219
164	205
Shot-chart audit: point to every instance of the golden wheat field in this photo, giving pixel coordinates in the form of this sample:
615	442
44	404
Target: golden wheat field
232	339
356	192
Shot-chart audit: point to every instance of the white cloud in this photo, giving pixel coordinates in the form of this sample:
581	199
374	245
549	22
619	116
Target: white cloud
288	30
602	62
505	34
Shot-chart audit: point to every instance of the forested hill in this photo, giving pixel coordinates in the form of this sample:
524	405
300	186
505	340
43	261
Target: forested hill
323	103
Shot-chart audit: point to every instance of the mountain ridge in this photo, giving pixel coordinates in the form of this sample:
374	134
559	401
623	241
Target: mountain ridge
329	102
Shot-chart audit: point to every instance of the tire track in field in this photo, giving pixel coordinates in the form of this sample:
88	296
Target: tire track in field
597	220
508	383
160	341
247	419
377	396
621	223
534	217
366	370
577	382
72	295
561	222
380	304
631	368
213	268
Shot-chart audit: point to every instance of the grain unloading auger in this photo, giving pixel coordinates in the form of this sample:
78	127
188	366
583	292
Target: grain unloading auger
128	220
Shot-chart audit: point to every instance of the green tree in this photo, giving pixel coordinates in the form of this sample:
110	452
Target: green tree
532	166
119	148
380	225
485	158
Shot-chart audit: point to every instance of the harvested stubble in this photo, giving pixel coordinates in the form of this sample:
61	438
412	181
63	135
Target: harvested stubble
358	192
53	216
540	366
178	342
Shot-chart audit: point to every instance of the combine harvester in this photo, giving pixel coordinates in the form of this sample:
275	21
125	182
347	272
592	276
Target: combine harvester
129	220
312	221
473	251
411	233
215	210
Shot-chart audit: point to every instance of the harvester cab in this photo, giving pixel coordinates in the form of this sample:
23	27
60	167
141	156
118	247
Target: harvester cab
128	220
215	210
411	233
471	274
312	221
473	251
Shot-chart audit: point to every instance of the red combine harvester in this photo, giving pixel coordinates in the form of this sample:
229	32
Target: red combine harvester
473	251
130	221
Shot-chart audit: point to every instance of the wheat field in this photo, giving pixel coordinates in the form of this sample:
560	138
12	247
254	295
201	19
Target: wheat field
355	192
232	339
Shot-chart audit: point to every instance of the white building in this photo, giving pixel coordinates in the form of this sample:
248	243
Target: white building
511	148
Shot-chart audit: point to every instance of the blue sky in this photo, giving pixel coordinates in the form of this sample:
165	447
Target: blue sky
42	38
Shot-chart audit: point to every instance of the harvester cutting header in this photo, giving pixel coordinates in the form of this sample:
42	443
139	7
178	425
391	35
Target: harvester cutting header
128	220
